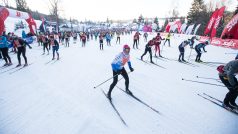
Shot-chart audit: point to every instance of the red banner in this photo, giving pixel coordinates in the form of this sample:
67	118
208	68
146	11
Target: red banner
211	22
217	21
227	43
231	29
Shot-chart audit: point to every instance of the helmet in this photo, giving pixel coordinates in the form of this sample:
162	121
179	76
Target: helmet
206	42
158	33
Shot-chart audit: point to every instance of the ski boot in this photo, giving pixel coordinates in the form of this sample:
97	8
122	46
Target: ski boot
6	64
152	62
129	92
25	65
227	106
18	65
109	96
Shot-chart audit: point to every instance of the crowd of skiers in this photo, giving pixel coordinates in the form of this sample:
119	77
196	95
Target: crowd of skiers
53	40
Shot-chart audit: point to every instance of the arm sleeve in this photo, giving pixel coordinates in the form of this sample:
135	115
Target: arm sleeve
204	48
231	75
129	64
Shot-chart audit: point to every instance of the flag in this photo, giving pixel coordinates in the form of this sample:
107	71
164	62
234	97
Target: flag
231	29
217	21
211	22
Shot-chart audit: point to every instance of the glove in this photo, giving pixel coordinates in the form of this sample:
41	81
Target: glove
132	69
30	47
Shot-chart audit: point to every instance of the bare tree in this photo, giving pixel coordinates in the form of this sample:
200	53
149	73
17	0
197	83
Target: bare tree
6	3
54	11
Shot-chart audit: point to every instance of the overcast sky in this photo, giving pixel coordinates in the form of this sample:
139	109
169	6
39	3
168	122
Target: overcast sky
119	9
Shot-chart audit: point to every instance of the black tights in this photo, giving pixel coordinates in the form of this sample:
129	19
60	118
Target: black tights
5	55
21	50
147	49
232	94
115	80
135	43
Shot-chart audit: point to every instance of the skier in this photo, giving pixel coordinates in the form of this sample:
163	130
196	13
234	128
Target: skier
20	44
181	50
136	37
198	48
168	39
145	36
67	39
158	39
4	50
83	37
45	41
148	49
227	76
75	37
108	39
55	47
118	68
118	37
101	41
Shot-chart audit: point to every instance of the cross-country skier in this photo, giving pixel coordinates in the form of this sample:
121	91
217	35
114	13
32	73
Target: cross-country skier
148	49
118	68
181	50
20	44
55	47
136	37
168	38
101	41
108	39
118	37
83	37
158	39
198	48
67	39
45	41
4	50
227	76
145	36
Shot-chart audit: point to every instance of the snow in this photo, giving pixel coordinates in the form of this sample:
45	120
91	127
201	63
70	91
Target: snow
59	98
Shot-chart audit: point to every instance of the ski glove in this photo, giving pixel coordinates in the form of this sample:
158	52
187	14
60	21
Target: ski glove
132	69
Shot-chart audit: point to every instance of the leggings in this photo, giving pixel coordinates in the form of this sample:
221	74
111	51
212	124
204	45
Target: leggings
21	50
5	55
115	79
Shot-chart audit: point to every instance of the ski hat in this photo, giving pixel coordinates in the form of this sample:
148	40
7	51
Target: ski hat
126	47
220	69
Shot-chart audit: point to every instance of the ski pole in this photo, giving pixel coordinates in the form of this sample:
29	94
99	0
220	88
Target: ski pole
105	81
203	83
108	80
230	53
207	78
